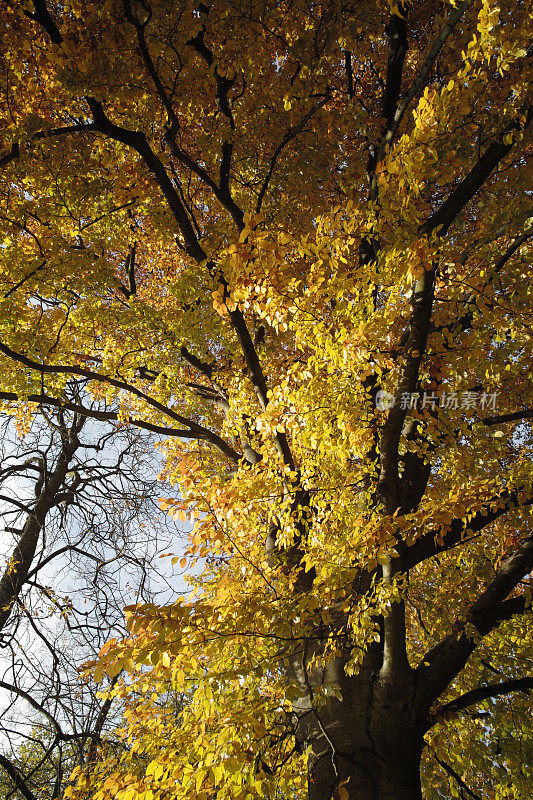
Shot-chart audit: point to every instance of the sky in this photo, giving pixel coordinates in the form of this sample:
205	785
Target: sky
28	655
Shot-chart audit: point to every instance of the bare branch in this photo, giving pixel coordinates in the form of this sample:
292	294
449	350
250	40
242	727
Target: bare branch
33	703
457	778
49	486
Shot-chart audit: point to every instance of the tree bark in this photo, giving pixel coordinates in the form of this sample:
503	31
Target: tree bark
50	489
366	738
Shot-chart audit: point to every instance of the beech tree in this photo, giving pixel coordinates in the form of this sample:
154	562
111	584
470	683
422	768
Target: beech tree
292	240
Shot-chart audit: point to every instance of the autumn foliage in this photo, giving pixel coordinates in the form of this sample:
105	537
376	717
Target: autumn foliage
291	239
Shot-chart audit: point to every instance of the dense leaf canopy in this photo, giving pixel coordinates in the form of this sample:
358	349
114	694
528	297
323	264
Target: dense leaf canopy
291	238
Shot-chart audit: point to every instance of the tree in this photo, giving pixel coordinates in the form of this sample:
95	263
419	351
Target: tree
76	512
14	782
292	239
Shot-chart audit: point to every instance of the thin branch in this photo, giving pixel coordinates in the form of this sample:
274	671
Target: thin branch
34	704
196	431
457	778
149	64
46	134
24	279
17	777
22	506
466	321
526	413
109	416
291	134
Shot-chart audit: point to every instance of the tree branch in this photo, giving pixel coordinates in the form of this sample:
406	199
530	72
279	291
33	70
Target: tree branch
457	778
480	694
466	321
446	659
46	134
388	487
223	86
100	722
138	142
424	72
108	416
44	18
48	487
149	64
526	413
16	776
13	153
34	704
441	220
397	35
291	134
196	431
395	107
441	539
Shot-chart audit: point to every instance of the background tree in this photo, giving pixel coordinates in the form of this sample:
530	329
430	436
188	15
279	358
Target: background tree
28	758
84	533
293	238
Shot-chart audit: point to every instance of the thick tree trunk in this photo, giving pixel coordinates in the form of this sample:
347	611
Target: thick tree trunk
381	761
366	738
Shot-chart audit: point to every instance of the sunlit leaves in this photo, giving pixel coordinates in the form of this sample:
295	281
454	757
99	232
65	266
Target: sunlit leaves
204	680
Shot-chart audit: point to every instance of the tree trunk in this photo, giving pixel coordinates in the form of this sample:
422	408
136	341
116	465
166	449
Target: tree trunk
366	737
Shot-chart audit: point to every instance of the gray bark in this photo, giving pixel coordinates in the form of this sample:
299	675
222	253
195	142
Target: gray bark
368	737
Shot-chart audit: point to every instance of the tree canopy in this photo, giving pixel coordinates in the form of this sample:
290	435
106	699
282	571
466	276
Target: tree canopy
291	240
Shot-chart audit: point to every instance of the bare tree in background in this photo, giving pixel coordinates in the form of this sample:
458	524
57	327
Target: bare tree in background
77	501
